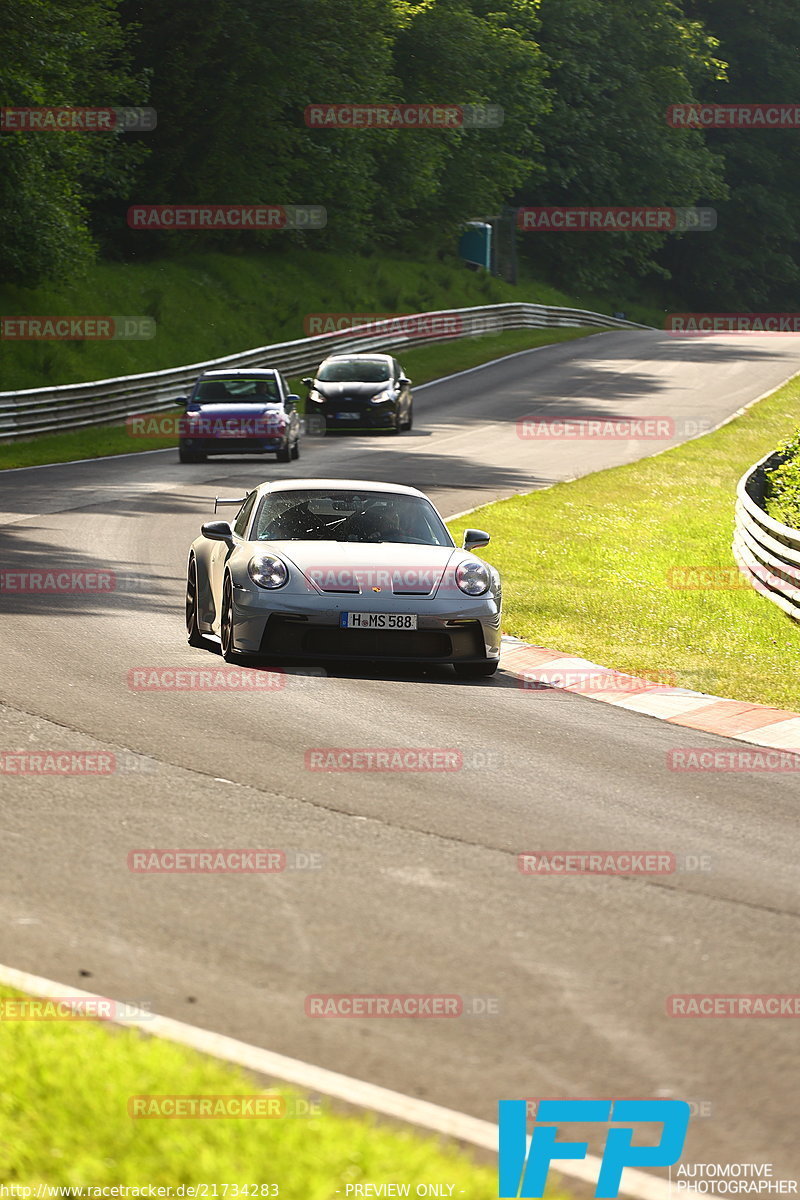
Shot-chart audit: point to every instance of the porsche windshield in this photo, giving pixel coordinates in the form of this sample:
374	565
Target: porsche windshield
340	516
354	370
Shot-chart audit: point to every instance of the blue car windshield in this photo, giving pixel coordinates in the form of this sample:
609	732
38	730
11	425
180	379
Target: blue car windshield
260	390
342	516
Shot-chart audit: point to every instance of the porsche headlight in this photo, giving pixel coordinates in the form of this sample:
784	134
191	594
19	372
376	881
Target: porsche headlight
473	577
267	571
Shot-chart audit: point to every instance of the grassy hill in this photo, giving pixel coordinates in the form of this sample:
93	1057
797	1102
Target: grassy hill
208	305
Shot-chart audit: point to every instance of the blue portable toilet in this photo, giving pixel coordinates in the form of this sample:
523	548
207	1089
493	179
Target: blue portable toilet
475	244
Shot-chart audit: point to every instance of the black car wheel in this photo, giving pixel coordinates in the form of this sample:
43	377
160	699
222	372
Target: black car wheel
409	421
193	634
226	627
284	454
296	448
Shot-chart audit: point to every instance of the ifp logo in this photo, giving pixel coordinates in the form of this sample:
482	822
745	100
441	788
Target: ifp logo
521	1177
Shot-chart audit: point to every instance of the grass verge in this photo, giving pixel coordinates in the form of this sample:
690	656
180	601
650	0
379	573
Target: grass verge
209	305
64	1121
632	567
423	364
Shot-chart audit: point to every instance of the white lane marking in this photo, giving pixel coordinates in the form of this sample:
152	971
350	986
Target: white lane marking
357	1092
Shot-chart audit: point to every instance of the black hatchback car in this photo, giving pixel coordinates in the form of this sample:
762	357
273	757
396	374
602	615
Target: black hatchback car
240	411
361	392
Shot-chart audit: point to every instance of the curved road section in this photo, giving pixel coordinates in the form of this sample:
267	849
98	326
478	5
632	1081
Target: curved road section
399	882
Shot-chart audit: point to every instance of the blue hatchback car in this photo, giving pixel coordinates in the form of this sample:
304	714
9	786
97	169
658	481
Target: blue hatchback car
240	411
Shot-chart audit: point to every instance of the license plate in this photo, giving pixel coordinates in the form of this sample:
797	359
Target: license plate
364	620
348	416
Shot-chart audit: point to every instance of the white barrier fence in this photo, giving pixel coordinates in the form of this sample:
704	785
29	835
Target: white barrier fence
766	552
106	401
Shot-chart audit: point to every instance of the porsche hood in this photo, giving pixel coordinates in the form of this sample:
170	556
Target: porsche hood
368	567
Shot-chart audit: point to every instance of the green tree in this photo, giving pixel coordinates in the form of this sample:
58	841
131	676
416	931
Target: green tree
615	65
463	52
60	52
231	90
752	262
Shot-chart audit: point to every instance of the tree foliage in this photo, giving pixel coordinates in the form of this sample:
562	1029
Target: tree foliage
583	86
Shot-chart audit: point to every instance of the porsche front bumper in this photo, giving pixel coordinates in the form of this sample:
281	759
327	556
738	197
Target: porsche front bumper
296	625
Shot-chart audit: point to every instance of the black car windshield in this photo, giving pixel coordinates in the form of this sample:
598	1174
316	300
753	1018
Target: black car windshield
354	370
343	516
259	390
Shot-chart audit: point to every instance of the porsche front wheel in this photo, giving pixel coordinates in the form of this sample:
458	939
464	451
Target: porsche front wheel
193	634
226	626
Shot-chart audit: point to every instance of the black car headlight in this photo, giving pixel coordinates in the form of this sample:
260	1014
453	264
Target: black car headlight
267	570
381	397
474	578
315	398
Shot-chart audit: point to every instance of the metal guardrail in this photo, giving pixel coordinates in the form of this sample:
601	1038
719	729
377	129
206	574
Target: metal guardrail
75	406
766	552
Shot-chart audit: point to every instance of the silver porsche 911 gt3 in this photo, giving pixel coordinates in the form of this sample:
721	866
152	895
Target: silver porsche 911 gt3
326	569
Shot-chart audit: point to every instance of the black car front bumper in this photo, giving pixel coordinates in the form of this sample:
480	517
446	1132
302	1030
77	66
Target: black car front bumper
356	418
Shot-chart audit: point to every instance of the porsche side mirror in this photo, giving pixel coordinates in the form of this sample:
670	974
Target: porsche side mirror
217	531
292	400
475	538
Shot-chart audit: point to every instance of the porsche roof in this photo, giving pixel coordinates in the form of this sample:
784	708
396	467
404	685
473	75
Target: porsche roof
342	485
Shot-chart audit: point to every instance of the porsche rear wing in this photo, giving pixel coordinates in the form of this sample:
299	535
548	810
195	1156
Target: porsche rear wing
239	500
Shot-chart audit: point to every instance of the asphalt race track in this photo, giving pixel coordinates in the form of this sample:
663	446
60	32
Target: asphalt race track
417	888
